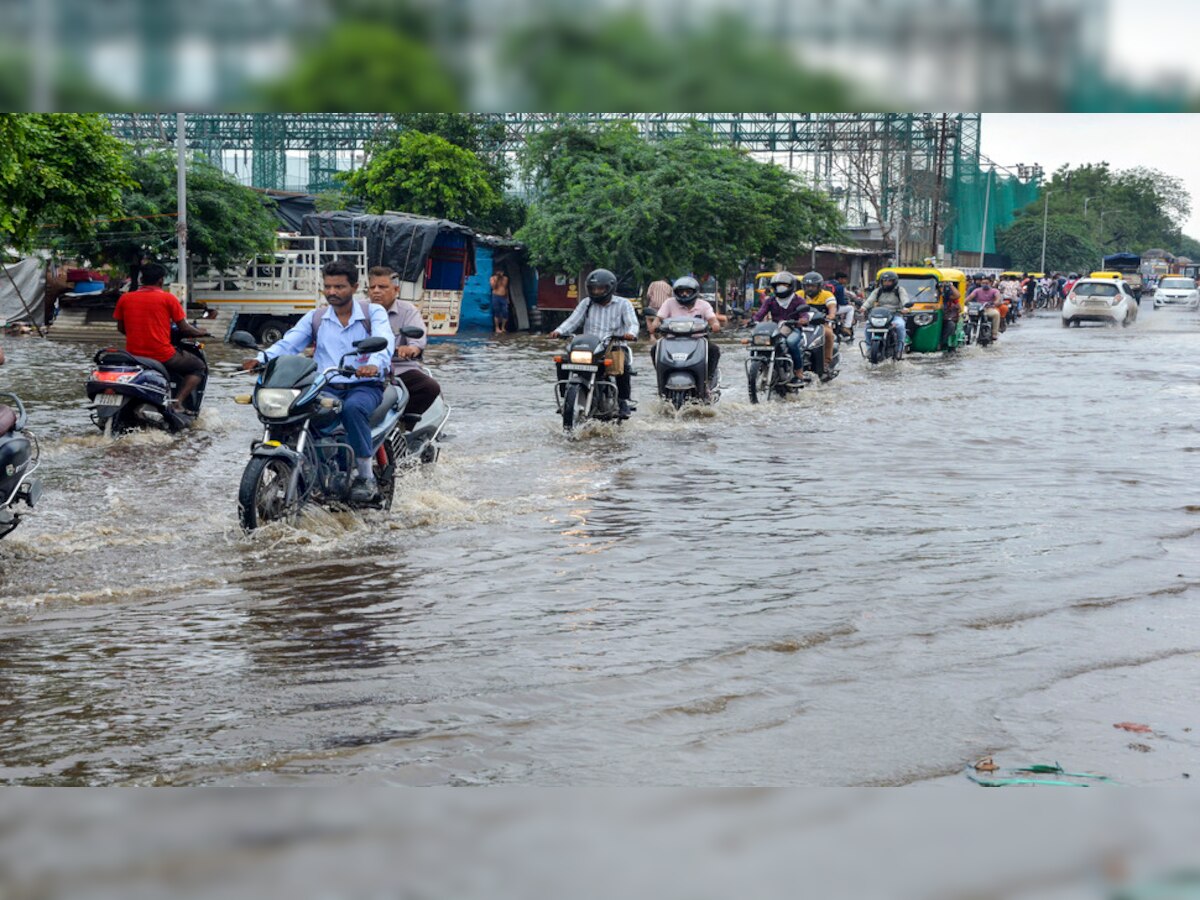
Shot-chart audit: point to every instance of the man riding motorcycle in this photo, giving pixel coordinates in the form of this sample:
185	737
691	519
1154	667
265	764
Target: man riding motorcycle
686	303
990	298
816	296
784	305
890	294
603	314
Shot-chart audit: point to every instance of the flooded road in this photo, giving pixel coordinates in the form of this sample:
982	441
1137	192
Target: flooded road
876	583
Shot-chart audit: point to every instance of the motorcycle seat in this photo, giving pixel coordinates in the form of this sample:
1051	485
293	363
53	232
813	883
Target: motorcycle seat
390	396
125	358
8	420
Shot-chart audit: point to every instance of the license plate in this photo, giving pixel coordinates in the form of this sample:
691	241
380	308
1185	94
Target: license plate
576	367
108	400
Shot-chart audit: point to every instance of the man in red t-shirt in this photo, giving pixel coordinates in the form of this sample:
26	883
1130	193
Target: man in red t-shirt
145	317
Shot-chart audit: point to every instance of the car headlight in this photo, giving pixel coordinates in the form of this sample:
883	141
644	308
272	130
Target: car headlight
922	319
583	357
274	403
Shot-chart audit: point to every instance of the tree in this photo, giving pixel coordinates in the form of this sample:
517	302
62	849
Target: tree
424	174
1069	246
608	196
227	223
562	61
64	170
360	65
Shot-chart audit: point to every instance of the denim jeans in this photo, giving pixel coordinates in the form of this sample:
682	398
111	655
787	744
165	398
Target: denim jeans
358	402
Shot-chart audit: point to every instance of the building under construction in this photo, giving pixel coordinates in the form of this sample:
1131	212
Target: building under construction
913	180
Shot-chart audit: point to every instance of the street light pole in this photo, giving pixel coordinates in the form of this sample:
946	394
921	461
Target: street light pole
1085	203
181	199
1045	222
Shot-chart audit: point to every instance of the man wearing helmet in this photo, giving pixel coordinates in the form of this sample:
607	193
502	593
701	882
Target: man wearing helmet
685	303
890	294
603	314
783	304
817	297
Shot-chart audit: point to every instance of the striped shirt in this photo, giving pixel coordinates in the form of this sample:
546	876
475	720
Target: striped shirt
658	293
615	318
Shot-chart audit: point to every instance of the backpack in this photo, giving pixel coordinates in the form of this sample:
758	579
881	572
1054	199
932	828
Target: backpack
319	312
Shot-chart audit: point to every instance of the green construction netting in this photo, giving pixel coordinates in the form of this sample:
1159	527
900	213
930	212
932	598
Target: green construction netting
967	197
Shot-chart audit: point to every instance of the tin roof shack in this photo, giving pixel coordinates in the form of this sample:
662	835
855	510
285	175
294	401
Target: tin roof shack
433	258
492	254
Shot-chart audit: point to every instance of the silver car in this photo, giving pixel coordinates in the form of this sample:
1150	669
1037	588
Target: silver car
1177	292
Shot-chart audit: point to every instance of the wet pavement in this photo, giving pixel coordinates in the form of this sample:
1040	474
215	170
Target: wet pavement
875	583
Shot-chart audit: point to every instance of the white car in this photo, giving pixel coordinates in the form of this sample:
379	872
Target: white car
1100	300
1177	292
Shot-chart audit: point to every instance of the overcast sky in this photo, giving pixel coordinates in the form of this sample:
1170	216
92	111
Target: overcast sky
1167	142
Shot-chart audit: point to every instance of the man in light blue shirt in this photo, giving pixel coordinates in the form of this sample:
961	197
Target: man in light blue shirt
338	327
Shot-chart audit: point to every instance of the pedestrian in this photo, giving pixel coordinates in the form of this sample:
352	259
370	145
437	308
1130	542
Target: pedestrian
1	356
499	286
657	294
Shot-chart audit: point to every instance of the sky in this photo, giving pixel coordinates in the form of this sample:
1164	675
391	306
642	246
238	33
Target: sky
1168	142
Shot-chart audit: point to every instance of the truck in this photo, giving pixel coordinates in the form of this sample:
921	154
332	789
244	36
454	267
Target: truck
1130	267
271	293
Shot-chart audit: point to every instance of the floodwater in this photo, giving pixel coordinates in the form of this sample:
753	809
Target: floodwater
876	583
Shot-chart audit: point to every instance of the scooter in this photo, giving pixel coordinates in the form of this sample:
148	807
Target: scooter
18	461
681	360
128	392
881	340
303	457
770	371
586	387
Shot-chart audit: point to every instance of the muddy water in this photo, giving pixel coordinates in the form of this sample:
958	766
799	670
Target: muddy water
889	577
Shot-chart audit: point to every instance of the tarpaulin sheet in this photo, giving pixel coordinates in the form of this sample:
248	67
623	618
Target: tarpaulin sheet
28	281
401	242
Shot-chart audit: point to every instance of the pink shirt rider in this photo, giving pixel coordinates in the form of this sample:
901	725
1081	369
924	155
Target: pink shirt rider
985	295
673	309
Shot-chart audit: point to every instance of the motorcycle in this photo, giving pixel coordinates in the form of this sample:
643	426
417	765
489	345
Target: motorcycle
770	370
979	326
128	392
586	387
882	340
19	454
682	364
303	457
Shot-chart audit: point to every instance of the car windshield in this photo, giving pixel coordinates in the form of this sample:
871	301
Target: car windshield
1177	284
1092	289
921	288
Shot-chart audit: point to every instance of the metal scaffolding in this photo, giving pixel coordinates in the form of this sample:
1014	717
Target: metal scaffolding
906	172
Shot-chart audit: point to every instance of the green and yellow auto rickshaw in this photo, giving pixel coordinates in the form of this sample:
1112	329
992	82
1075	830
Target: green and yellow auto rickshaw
926	315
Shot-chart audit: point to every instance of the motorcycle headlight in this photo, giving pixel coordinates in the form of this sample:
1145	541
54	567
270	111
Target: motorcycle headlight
583	357
762	340
880	321
922	319
274	403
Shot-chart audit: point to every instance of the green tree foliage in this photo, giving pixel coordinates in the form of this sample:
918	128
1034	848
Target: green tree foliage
1069	246
360	65
227	223
621	62
420	173
60	169
1132	209
644	208
483	136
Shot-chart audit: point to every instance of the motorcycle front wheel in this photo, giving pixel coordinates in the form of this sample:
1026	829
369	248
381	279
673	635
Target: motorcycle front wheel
262	496
753	371
574	404
875	352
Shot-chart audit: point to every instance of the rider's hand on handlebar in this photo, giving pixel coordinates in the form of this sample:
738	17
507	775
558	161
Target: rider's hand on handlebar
555	334
367	371
250	364
407	351
629	337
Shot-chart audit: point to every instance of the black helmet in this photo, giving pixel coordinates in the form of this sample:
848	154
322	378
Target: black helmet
812	283
888	275
686	290
783	285
600	285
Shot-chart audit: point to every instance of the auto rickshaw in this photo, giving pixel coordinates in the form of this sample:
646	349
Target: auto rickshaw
762	287
925	331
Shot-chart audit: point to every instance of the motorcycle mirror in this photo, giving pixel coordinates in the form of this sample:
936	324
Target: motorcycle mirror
371	345
412	331
243	339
